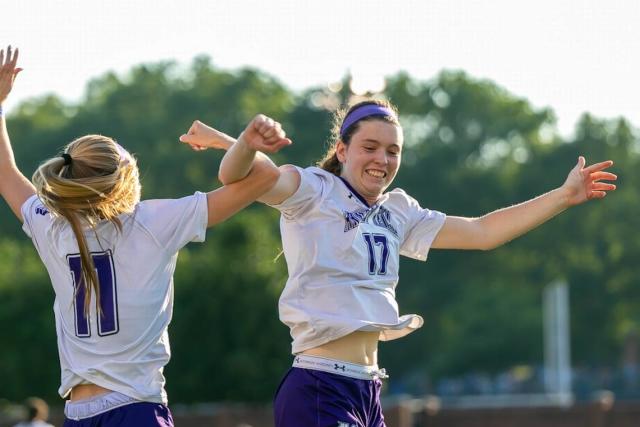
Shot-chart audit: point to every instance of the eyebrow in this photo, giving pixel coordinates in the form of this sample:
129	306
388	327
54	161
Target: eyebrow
375	141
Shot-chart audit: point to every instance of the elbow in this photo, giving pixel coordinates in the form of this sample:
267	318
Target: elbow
222	177
485	240
265	175
488	246
272	177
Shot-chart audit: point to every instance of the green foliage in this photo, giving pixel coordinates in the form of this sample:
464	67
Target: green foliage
28	357
226	313
470	147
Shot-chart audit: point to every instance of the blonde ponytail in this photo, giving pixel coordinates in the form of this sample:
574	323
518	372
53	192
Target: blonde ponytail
89	183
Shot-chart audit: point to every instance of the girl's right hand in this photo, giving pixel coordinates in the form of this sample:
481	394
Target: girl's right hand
264	134
8	71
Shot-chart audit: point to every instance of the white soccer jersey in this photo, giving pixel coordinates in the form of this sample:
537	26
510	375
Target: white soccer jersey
343	258
126	348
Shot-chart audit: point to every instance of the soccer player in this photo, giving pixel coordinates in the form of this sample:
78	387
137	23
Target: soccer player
342	237
111	259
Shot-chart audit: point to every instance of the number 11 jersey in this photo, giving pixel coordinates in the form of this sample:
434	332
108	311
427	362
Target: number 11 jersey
126	346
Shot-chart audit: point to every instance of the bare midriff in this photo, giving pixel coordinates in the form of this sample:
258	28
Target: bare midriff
87	391
357	347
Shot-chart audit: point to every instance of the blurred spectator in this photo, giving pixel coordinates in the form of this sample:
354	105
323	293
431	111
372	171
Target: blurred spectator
37	413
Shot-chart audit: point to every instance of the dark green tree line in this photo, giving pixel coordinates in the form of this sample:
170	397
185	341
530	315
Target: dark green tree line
470	147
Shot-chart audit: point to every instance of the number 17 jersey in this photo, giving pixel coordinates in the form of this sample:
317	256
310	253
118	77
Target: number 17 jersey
343	259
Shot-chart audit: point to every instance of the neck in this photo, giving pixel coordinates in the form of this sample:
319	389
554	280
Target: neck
369	201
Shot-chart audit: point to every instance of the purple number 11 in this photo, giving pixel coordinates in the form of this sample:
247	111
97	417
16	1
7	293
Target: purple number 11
107	321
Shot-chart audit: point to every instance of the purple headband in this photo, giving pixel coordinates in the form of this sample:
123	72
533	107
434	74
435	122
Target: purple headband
362	112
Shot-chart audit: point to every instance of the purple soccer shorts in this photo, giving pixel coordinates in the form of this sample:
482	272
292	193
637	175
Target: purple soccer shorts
312	398
138	414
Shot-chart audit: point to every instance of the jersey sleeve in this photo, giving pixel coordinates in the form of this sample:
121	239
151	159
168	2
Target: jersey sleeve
37	219
176	222
423	226
313	186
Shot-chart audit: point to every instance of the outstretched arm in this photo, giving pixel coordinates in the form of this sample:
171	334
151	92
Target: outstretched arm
501	226
14	186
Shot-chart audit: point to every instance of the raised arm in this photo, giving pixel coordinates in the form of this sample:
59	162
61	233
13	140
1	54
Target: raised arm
240	157
262	134
14	186
501	226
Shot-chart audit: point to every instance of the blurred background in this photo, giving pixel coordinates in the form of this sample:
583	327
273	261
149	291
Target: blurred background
496	100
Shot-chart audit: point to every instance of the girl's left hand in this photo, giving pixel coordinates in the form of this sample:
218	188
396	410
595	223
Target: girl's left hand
584	183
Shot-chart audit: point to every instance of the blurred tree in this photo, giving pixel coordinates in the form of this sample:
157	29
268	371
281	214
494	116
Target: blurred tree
470	147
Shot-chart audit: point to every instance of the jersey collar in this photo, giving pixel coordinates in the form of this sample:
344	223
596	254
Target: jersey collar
355	193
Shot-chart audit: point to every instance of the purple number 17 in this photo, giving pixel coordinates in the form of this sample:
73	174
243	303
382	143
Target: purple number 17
107	321
377	264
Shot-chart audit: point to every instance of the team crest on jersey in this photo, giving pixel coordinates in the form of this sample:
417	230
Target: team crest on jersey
380	217
42	210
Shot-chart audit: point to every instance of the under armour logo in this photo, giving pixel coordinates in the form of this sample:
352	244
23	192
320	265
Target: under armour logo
350	195
41	211
336	367
297	360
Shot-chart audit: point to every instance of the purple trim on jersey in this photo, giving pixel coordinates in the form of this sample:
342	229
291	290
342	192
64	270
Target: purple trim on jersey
139	414
362	112
355	193
321	399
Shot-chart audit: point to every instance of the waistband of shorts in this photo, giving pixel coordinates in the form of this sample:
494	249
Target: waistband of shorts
87	408
346	369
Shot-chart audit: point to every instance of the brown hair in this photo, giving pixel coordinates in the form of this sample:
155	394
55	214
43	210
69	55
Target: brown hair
330	161
94	183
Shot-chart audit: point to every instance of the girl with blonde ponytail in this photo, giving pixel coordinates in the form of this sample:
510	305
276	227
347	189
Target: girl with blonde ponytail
111	259
75	185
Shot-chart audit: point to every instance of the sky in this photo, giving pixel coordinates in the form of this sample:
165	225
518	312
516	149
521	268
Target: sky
573	56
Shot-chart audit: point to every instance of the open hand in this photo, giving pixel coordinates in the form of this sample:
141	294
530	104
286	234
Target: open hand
264	134
584	183
8	71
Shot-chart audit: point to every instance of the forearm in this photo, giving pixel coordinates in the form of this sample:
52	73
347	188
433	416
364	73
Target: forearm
7	160
15	188
504	225
239	160
225	140
236	163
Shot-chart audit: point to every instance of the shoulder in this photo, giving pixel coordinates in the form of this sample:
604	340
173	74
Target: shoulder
157	207
398	200
400	197
34	206
316	172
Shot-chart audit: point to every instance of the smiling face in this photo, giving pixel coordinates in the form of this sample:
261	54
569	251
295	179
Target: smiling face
371	159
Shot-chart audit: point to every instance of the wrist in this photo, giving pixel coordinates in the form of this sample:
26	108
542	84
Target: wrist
243	146
564	197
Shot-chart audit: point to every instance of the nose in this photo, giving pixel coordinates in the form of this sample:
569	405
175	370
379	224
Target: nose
382	157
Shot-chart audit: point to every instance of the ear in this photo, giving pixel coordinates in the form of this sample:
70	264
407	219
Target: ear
341	151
